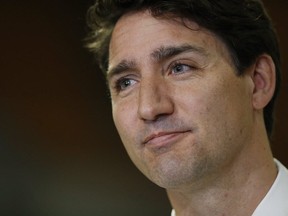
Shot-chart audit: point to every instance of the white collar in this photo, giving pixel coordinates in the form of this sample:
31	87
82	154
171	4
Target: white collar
276	200
173	213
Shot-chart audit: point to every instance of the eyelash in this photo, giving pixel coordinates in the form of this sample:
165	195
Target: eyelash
121	81
174	65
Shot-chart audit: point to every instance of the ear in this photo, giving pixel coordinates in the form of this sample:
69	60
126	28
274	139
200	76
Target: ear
264	79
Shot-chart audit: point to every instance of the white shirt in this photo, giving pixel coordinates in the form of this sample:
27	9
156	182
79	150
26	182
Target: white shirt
275	203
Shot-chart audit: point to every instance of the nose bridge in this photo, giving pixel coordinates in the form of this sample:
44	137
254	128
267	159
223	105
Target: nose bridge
154	99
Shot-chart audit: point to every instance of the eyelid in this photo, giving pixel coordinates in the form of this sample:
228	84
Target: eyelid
121	81
184	62
115	85
112	80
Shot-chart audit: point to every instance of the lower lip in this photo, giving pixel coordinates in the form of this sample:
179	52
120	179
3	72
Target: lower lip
166	140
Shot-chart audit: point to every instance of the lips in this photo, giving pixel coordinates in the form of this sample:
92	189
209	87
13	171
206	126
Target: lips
163	138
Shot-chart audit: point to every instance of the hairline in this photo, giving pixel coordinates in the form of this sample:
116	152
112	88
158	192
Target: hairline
183	20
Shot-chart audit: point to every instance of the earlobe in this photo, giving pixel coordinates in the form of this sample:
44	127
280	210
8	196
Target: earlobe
264	78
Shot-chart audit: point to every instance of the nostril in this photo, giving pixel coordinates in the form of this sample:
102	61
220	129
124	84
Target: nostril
154	107
154	100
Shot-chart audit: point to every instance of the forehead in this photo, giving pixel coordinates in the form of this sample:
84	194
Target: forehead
138	34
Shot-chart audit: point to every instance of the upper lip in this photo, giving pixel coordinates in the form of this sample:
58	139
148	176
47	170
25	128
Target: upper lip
159	134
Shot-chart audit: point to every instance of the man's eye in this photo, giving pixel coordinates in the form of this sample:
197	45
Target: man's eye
180	68
124	83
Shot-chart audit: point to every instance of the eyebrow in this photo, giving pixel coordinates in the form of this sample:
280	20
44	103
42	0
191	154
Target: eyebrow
164	53
123	66
160	54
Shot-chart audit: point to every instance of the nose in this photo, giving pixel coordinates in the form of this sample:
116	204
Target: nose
154	99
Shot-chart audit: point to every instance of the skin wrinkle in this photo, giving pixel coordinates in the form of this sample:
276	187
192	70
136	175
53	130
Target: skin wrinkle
159	57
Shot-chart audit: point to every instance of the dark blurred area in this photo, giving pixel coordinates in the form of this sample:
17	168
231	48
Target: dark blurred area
59	151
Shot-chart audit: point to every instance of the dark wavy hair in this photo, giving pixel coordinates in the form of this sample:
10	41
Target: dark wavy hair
243	25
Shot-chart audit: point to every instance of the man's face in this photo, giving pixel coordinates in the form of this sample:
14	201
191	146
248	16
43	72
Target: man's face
181	111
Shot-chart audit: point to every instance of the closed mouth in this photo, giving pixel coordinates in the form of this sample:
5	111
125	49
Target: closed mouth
163	137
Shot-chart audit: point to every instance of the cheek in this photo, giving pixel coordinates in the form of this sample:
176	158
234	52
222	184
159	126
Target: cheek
120	119
216	108
124	121
226	113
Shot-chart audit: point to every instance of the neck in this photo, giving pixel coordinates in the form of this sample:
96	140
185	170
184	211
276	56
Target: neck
237	191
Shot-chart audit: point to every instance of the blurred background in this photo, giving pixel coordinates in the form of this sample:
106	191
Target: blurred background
59	151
